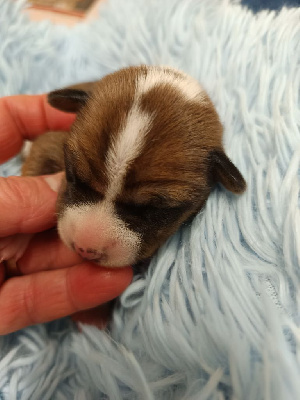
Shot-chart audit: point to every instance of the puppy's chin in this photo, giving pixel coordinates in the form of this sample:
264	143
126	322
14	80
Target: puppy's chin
111	262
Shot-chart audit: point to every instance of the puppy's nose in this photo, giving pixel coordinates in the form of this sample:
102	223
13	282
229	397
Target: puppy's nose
90	254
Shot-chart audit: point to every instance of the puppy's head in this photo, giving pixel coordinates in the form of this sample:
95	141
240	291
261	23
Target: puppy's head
142	157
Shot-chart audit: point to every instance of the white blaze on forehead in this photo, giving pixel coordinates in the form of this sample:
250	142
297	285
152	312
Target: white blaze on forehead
130	140
188	86
126	148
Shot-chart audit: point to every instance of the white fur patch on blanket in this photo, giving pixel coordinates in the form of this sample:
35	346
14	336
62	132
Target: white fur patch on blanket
217	314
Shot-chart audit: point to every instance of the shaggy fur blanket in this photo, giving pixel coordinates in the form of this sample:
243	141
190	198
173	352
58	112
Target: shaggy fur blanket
216	316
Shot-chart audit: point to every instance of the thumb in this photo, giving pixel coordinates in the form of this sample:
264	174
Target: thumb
27	204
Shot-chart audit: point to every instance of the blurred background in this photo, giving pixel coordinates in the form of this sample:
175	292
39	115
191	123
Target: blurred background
66	12
70	12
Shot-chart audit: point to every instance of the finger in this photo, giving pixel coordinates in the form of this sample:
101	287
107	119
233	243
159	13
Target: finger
2	273
27	204
25	117
46	251
12	247
45	296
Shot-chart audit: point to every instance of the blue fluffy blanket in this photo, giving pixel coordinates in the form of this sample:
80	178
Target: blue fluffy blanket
217	314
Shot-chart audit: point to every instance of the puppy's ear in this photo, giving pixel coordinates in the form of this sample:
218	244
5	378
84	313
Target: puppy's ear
225	172
68	100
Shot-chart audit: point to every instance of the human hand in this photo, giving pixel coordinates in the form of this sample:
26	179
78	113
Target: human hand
50	281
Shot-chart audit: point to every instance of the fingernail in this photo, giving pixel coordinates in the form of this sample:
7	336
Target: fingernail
54	181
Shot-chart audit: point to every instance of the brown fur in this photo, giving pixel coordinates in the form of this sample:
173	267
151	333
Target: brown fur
170	181
46	155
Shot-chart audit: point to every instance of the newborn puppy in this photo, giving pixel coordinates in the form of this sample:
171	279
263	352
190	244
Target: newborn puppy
141	158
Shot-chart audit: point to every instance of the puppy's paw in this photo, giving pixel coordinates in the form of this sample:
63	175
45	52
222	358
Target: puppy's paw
26	149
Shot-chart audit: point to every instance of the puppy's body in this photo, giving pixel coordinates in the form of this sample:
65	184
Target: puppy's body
141	158
45	155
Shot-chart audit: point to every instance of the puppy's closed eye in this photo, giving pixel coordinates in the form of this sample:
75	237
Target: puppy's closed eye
77	191
141	210
150	213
